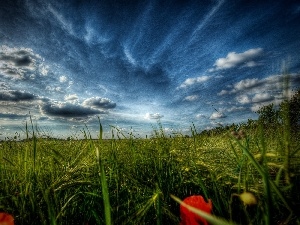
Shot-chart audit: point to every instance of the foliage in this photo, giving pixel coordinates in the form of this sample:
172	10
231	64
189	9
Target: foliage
268	115
289	109
292	107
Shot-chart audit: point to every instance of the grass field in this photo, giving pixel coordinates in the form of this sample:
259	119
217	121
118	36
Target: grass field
130	181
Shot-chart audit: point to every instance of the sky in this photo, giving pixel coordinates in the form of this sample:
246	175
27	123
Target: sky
135	64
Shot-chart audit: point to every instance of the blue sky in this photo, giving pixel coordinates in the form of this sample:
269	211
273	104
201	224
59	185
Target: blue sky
131	63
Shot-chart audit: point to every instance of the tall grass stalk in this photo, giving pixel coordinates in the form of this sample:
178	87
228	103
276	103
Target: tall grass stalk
286	127
158	206
104	189
266	179
34	146
104	186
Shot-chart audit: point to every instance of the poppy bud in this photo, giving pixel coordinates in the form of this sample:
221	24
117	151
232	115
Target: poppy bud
190	218
6	219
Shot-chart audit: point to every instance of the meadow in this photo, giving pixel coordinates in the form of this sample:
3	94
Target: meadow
127	180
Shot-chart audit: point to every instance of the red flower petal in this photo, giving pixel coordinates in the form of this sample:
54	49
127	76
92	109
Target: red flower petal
6	219
190	218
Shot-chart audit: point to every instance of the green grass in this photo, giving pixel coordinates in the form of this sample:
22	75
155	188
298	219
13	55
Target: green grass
131	181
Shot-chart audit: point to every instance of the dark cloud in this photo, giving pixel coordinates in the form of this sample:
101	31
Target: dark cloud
67	110
3	85
20	63
10	72
23	61
17	57
101	103
16	96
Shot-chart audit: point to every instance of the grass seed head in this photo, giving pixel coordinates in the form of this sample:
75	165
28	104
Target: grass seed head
248	198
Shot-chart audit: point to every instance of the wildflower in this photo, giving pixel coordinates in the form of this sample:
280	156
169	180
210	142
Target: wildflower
6	219
242	134
234	133
186	169
190	218
238	135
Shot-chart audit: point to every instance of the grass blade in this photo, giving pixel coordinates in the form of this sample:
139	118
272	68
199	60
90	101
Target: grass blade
105	192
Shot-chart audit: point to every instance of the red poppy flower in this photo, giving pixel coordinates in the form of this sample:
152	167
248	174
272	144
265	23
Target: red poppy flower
6	219
190	218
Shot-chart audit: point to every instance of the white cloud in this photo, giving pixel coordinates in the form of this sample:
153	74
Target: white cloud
191	81
219	76
70	97
235	108
209	127
129	56
98	102
255	107
217	115
246	84
191	98
272	85
251	64
234	59
262	97
216	123
243	99
200	116
154	116
58	89
223	92
63	79
260	92
44	70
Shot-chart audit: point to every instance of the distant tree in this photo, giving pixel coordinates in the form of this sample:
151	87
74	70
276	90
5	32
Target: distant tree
250	123
287	112
290	110
268	115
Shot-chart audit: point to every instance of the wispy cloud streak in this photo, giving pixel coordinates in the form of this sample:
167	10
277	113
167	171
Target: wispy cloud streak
206	19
